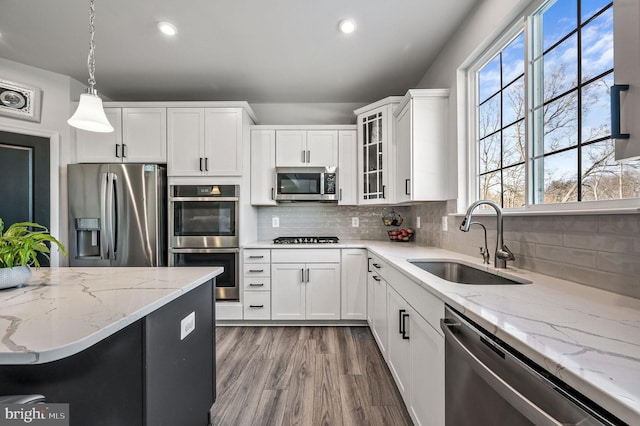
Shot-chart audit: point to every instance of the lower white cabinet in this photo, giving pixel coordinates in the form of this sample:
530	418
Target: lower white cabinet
398	351
305	291
256	265
354	284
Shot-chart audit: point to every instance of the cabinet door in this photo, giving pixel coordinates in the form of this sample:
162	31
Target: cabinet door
402	142
347	168
370	300
185	141
288	291
322	291
426	404
354	284
291	148
144	135
223	141
95	147
322	148
380	313
399	331
263	167
371	161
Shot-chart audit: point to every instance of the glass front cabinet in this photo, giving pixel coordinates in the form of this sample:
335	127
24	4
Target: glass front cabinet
375	159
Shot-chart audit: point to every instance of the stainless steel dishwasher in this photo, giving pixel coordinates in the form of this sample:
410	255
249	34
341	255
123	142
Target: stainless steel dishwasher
489	383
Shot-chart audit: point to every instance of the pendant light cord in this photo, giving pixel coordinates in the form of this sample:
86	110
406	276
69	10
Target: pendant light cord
91	62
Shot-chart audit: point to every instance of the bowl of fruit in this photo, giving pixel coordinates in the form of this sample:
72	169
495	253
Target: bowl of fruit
401	235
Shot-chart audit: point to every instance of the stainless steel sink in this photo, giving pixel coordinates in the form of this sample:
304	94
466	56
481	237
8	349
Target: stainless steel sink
463	274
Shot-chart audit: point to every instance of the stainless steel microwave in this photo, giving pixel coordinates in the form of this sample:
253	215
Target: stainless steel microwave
306	184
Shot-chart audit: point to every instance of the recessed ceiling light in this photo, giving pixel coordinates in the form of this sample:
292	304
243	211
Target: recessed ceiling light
347	26
167	28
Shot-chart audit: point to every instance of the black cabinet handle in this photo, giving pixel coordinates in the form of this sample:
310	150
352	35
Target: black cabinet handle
206	164
369	264
400	322
375	265
256	306
256	285
406	186
256	270
201	164
405	335
124	150
383	187
256	257
117	150
377	278
272	193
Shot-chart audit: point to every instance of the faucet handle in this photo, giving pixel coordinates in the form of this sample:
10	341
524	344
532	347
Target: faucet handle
505	254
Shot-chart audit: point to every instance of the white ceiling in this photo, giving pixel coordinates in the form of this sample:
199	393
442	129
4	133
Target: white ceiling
253	50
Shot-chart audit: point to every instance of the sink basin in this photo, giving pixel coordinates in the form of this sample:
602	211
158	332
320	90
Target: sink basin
462	274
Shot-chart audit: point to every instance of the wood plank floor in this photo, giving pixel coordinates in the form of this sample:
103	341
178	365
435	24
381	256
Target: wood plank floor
303	376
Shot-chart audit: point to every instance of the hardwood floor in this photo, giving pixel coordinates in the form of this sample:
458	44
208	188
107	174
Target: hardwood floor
303	376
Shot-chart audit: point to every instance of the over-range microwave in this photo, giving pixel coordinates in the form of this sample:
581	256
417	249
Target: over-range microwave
306	184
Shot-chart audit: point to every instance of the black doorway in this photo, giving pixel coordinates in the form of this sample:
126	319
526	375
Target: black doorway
24	180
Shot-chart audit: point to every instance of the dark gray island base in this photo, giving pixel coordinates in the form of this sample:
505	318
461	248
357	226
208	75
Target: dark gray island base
144	374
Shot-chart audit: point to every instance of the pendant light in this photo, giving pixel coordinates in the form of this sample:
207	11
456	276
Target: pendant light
90	114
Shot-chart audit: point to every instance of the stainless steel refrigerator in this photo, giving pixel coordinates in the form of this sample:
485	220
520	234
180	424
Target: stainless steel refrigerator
117	215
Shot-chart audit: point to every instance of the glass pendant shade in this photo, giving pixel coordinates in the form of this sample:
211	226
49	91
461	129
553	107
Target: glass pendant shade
90	115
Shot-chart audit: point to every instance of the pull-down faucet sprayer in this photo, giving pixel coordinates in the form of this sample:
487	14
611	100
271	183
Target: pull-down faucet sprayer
502	251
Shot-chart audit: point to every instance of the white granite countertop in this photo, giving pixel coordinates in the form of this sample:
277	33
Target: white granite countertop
587	337
63	311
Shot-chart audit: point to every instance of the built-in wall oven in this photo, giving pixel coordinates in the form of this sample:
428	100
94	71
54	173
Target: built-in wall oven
203	231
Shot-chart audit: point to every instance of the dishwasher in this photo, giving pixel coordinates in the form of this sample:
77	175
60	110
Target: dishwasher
487	382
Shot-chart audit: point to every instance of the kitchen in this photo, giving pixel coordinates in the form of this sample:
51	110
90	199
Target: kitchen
591	249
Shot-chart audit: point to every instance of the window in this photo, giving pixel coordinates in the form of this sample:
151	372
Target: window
561	150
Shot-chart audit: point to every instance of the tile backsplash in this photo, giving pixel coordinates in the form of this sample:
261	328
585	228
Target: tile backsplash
596	250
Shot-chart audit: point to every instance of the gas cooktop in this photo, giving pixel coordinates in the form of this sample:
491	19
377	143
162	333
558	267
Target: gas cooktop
306	240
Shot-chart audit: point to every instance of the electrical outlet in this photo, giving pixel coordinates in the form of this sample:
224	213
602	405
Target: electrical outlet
275	222
445	223
418	222
355	222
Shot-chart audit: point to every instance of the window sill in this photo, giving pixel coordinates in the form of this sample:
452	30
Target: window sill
556	212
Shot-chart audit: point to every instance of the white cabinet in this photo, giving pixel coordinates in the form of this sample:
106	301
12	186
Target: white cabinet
263	167
347	168
303	290
257	284
354	284
139	136
377	303
205	141
398	357
421	146
306	148
376	159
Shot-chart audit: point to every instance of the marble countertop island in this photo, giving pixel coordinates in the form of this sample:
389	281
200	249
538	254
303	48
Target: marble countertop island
587	337
63	311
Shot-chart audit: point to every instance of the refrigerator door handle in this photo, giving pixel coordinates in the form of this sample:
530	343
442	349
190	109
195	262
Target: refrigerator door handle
113	215
104	229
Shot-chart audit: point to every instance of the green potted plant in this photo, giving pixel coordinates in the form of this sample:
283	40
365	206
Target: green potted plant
20	245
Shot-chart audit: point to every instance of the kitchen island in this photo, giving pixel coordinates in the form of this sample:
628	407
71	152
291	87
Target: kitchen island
120	345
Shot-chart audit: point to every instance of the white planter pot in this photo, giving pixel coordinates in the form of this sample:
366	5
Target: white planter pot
14	277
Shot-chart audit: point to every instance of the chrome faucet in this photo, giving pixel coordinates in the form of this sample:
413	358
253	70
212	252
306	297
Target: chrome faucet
502	251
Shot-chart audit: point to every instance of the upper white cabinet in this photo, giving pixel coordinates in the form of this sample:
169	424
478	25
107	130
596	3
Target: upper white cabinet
421	146
376	159
306	148
263	166
347	168
139	136
205	141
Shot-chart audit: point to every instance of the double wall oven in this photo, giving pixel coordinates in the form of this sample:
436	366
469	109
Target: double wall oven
203	231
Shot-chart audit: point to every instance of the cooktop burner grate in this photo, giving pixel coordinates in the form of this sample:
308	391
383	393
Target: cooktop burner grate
306	240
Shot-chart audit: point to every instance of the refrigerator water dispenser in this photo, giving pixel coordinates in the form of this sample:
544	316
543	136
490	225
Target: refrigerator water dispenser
88	237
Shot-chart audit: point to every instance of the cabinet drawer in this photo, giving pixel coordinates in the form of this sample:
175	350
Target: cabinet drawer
257	283
306	256
257	256
256	270
257	305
